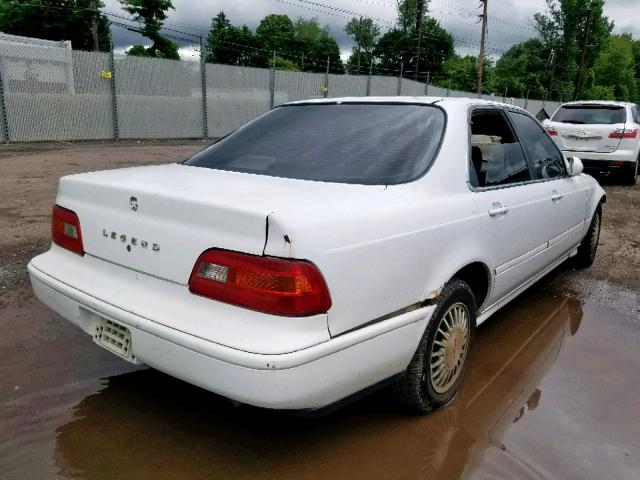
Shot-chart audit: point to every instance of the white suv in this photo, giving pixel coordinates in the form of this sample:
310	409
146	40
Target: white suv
603	134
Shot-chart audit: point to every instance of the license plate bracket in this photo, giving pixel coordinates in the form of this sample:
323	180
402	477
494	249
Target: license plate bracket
114	337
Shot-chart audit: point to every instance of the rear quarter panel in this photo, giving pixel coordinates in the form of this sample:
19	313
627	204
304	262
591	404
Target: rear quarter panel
394	248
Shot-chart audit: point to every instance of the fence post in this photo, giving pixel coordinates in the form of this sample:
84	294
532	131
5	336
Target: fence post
449	89
114	98
325	89
526	100
203	79
3	112
426	85
272	83
369	79
400	79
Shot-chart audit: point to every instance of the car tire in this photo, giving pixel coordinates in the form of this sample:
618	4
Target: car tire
426	385
630	177
589	245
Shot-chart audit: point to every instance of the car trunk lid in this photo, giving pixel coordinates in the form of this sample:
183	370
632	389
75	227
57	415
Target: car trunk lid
157	220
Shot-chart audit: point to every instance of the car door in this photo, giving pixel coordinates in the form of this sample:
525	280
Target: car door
566	195
517	211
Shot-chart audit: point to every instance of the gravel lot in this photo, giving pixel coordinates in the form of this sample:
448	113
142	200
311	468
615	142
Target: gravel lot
551	392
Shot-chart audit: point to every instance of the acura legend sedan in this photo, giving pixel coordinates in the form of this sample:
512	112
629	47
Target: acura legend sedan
322	250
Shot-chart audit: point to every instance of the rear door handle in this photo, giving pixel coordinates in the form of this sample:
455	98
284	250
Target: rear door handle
498	209
555	196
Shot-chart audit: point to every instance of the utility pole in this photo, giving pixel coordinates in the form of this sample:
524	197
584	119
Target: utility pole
94	25
359	42
576	90
419	17
552	65
484	18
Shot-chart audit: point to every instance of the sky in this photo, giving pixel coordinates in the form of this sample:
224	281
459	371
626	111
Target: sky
510	21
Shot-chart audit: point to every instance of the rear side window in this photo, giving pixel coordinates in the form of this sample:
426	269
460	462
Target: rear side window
371	144
547	161
590	114
496	156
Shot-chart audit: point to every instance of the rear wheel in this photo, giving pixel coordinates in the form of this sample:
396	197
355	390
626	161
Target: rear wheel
631	175
434	374
589	246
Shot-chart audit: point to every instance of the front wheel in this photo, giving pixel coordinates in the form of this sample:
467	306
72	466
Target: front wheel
435	372
589	246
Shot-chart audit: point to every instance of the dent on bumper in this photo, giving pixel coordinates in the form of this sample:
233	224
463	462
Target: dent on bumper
312	377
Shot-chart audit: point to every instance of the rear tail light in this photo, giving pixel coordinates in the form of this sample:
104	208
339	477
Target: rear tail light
551	130
65	230
292	288
624	133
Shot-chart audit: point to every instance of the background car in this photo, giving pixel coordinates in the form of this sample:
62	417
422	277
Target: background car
603	134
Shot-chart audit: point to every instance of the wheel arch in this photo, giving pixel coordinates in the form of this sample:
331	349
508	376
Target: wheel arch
477	275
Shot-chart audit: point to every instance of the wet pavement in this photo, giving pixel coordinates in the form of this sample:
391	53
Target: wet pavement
552	391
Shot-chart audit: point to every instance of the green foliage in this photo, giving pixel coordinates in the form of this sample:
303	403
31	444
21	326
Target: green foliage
615	70
398	45
229	44
60	20
303	45
563	29
521	70
365	34
151	14
461	73
313	45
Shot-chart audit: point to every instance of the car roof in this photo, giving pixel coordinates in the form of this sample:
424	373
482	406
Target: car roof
445	102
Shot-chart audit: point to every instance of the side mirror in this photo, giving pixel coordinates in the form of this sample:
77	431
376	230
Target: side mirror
574	166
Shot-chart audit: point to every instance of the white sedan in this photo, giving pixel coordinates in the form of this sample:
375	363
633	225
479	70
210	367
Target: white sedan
323	249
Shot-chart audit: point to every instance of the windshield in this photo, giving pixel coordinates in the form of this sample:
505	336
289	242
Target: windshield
591	114
371	144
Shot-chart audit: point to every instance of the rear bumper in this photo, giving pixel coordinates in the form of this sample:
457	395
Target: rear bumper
615	161
308	378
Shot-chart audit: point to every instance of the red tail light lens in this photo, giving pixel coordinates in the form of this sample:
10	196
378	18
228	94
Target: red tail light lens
292	288
551	131
624	133
65	230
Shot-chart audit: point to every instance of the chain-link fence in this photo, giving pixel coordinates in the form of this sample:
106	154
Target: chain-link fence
49	93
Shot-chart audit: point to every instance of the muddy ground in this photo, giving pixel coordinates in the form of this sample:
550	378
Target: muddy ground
552	390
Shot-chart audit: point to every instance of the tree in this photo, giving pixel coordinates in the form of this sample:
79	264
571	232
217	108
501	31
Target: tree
151	14
55	20
313	45
521	70
275	33
364	33
615	71
398	46
229	44
461	73
563	28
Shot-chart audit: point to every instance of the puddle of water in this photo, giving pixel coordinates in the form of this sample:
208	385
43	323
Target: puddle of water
549	394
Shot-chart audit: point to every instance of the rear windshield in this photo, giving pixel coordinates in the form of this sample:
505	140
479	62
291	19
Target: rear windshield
590	115
371	144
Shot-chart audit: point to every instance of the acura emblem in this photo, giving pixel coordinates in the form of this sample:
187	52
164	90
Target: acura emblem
133	202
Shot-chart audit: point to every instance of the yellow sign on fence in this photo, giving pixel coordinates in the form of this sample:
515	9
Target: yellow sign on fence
105	73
